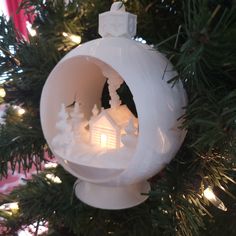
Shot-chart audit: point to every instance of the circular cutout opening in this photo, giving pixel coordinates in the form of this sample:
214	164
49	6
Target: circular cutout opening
90	118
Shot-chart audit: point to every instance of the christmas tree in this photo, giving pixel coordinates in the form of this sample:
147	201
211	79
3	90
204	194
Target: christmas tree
195	193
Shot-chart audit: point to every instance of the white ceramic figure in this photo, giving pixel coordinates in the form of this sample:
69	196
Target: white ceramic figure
77	122
130	138
64	138
117	22
159	104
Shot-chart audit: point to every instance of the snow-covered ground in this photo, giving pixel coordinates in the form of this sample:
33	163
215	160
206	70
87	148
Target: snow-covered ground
88	155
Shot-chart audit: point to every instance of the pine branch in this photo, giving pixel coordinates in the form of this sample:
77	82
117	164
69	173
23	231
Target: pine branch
22	142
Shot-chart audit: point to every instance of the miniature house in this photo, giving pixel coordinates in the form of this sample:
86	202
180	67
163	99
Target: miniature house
107	127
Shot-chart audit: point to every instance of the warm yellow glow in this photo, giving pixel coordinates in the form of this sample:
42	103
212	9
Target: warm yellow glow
103	140
53	178
10	208
65	34
109	126
2	92
74	38
20	111
210	195
31	30
14	206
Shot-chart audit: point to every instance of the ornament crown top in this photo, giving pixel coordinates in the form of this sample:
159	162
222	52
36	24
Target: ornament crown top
117	22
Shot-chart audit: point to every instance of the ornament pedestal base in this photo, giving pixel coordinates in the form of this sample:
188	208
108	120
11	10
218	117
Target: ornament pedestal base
106	197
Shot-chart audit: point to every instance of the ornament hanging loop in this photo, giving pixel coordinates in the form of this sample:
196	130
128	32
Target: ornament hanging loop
117	22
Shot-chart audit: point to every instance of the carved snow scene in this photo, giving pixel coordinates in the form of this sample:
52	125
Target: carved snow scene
108	135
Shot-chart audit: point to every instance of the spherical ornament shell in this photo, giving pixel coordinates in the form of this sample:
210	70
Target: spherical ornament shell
114	175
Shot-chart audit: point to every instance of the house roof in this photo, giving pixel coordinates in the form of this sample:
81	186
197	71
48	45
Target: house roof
117	116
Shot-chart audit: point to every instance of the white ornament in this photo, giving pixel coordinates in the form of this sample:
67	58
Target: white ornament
116	178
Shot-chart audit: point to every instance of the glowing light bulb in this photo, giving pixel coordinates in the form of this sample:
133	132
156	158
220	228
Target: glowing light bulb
10	208
74	38
20	111
31	30
103	140
14	206
53	178
65	34
2	92
210	195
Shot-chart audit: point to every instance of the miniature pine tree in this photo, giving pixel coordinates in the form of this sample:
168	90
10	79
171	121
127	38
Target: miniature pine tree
130	138
130	128
77	121
95	110
63	139
199	38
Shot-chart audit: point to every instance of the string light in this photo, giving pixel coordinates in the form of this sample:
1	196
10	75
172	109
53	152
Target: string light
30	29
20	111
74	38
141	40
103	141
10	208
2	92
54	178
210	195
50	165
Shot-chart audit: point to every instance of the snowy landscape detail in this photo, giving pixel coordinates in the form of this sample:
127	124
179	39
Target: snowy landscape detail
107	140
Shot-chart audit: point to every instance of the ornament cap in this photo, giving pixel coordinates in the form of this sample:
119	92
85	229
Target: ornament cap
117	22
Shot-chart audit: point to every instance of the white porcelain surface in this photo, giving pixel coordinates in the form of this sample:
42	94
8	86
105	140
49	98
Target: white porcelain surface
117	22
159	105
81	74
111	197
